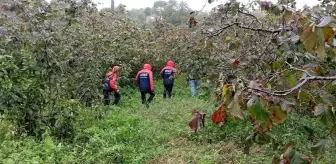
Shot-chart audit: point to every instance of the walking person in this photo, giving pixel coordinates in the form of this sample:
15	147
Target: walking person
192	79
168	74
145	82
110	86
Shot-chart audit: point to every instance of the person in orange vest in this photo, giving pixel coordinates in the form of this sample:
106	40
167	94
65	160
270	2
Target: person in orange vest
110	86
168	74
145	82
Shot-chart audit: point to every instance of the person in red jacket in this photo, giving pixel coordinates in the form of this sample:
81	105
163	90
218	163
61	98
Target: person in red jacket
110	86
145	82
168	74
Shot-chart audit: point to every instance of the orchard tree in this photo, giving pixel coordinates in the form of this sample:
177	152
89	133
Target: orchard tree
283	60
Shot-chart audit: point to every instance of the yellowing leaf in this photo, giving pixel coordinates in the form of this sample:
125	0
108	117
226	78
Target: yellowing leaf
208	44
234	106
303	20
313	40
225	89
228	38
269	86
309	38
235	110
320	51
279	116
328	34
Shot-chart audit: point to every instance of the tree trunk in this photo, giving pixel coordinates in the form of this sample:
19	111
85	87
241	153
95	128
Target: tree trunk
112	4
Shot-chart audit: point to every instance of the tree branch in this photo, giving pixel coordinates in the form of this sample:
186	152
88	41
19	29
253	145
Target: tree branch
261	29
298	86
245	27
248	14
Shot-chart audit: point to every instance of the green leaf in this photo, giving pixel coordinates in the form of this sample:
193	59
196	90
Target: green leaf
309	130
333	130
258	112
291	80
276	65
8	161
328	98
320	147
294	156
49	144
304	96
275	144
327	116
331	52
299	158
263	138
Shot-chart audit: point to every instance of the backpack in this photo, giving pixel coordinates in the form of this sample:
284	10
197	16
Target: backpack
106	82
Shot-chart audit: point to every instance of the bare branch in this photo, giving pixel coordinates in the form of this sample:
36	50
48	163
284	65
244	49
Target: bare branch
221	30
298	86
248	14
261	29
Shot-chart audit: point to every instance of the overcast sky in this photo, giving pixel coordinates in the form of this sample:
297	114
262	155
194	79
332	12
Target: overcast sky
194	4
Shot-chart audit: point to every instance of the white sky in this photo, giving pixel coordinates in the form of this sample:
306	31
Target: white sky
194	4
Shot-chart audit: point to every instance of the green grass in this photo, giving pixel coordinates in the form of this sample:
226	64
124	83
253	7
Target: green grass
132	133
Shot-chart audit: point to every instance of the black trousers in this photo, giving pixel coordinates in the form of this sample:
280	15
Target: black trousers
107	93
168	88
143	97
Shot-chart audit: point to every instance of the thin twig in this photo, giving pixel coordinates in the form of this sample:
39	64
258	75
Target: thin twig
248	14
298	69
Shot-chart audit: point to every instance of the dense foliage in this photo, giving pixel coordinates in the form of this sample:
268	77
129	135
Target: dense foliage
276	59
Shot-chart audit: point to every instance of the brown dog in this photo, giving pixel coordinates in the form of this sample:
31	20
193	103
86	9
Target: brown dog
197	120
